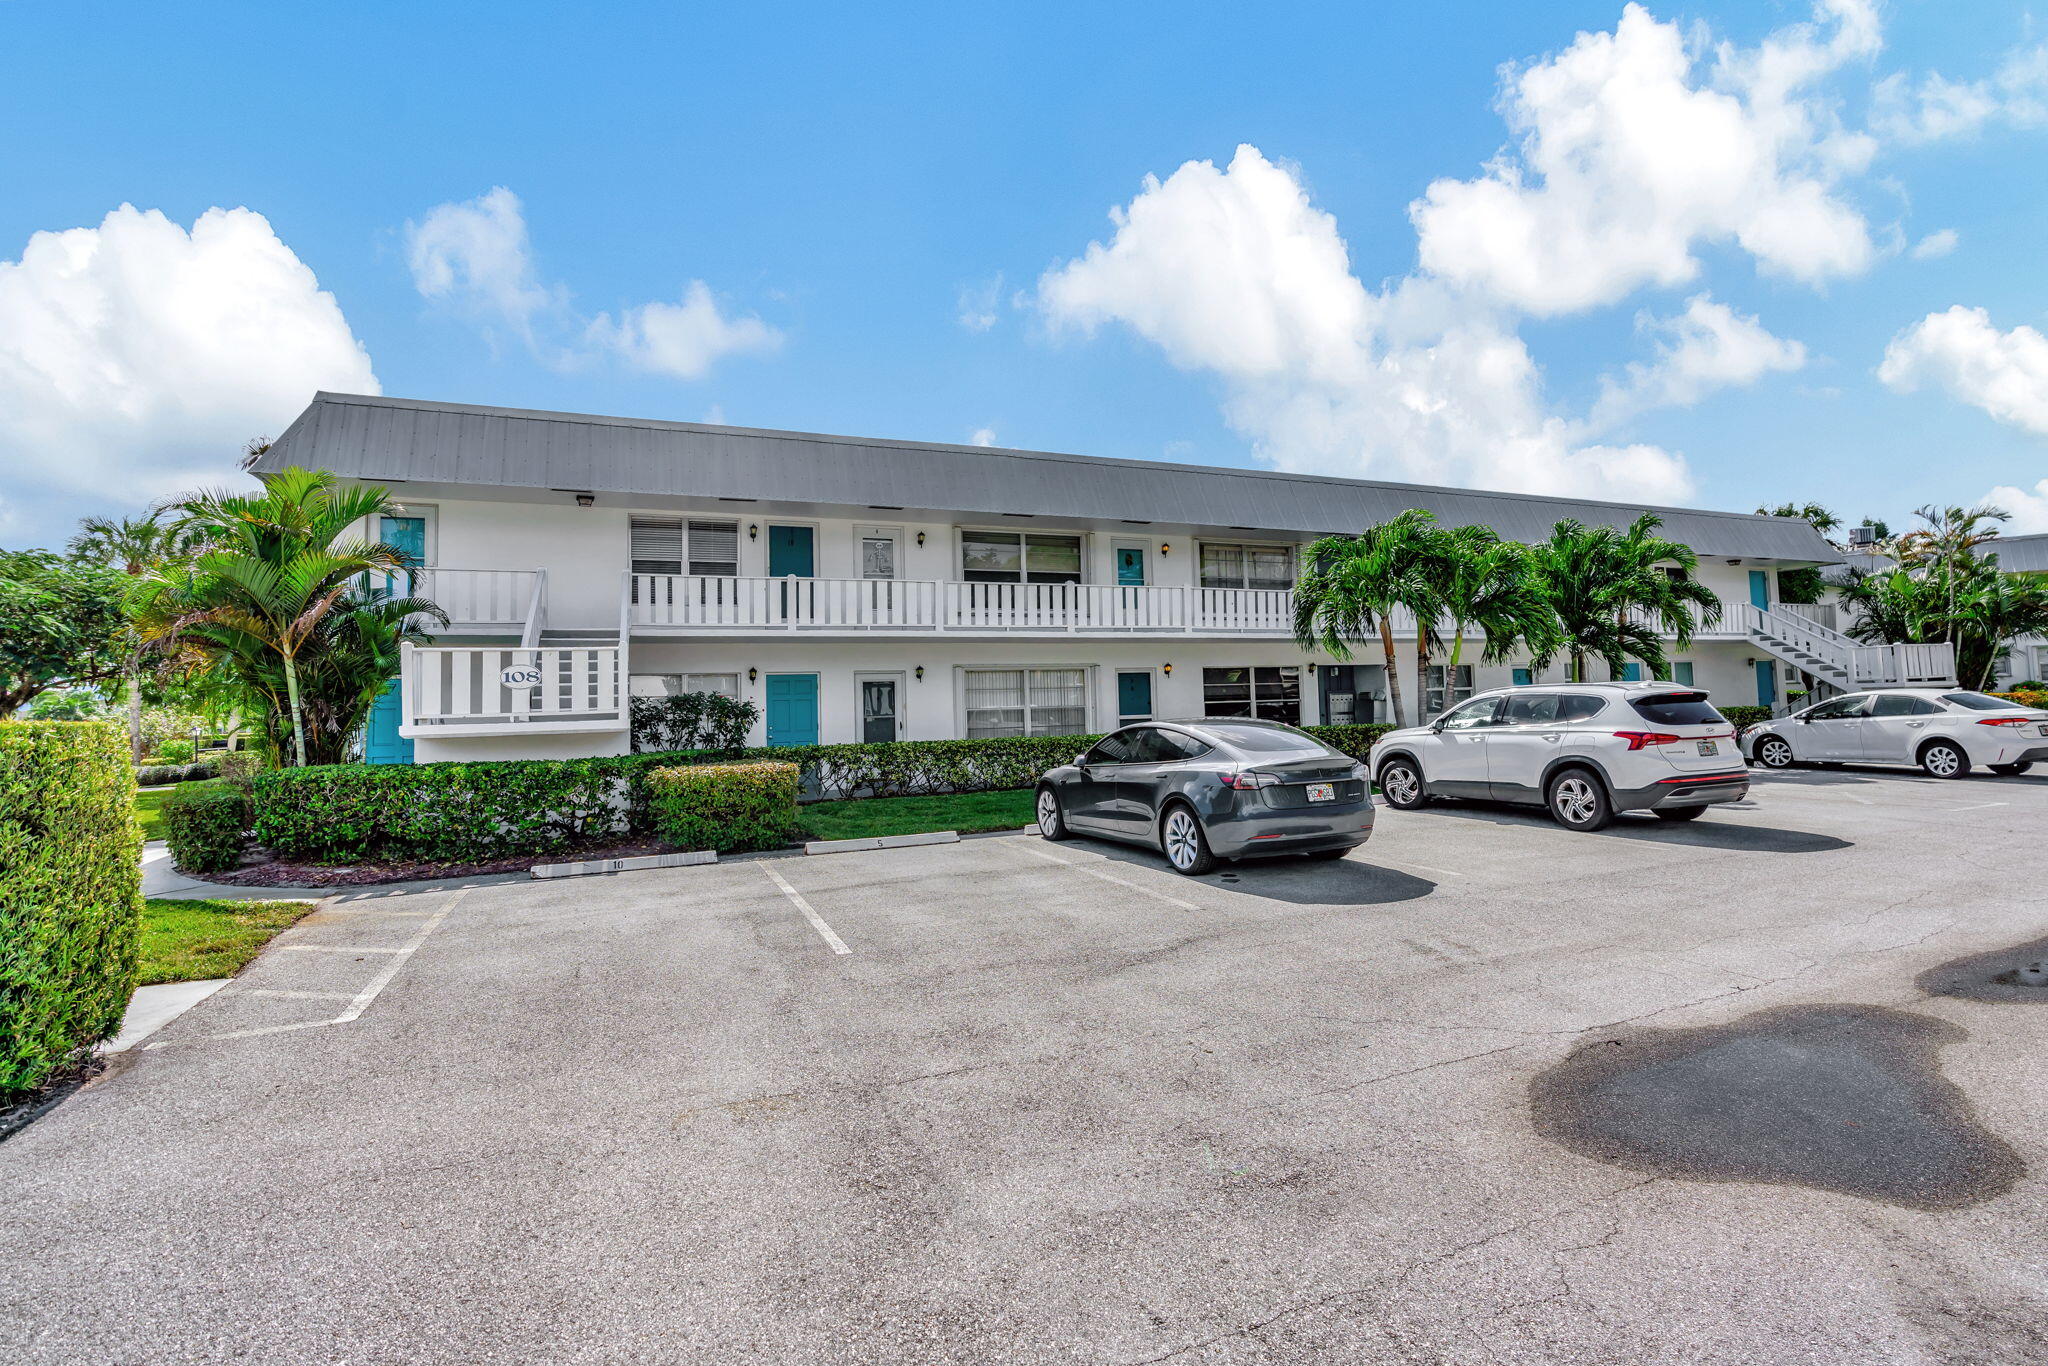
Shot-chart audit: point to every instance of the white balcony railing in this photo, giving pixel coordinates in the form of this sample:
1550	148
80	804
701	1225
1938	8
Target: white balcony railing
707	602
1820	613
501	598
461	689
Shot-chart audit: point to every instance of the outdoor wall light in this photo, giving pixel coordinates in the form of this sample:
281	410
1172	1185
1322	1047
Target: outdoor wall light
1311	667
920	538
753	531
753	675
1165	548
584	500
1167	669
920	673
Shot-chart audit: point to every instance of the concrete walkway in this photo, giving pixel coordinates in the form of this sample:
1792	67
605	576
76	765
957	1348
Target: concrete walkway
151	1008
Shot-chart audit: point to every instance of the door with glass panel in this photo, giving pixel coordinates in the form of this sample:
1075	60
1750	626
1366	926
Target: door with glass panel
879	721
408	536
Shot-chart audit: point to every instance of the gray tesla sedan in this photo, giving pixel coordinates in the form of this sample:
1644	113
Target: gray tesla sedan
1218	788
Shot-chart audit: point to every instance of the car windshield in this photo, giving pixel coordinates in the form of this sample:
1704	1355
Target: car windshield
1677	709
1266	739
1977	701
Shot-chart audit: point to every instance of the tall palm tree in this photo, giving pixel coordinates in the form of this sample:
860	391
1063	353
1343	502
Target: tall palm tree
137	546
279	567
1352	585
1993	610
1945	549
1618	594
1488	584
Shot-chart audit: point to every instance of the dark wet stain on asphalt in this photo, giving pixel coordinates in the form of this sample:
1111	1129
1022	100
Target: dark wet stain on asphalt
2014	976
1839	1098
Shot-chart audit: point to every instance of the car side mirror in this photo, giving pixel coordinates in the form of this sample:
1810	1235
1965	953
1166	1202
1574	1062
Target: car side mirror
1080	761
1436	727
1804	720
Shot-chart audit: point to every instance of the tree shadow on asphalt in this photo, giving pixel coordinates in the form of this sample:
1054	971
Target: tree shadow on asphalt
1351	881
1703	833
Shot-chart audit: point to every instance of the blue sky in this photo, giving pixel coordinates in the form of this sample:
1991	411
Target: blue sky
890	212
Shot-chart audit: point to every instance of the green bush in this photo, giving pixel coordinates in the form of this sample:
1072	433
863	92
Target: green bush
2025	696
691	720
1745	717
70	893
156	775
174	752
206	826
726	807
1356	741
239	767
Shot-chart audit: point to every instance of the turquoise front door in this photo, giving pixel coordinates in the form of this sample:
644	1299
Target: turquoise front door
790	552
792	709
1133	697
1130	566
408	535
1766	684
1760	590
382	744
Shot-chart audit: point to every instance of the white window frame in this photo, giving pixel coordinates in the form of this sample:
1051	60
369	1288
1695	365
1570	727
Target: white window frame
684	563
430	537
682	683
902	683
961	533
1304	691
1287	548
1435	703
1090	675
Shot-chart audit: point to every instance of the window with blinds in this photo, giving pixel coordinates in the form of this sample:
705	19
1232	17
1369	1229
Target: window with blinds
1010	702
1246	566
1014	557
671	545
1270	693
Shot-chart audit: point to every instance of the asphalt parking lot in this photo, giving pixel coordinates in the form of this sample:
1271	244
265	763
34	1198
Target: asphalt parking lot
1010	1101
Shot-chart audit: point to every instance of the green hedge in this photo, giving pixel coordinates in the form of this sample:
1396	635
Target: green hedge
206	826
70	893
1745	717
726	807
471	812
159	775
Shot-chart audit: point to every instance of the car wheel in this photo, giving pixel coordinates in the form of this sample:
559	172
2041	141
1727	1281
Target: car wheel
1680	813
1187	848
1944	760
1401	784
2013	770
1772	752
1052	822
1578	801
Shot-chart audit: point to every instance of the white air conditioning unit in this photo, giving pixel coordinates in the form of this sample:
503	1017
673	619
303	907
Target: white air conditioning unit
1862	537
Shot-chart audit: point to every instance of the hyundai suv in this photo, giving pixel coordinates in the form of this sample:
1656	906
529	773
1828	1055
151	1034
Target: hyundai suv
1585	750
1946	731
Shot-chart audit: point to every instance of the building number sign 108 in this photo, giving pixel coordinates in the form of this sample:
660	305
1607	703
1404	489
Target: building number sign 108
524	676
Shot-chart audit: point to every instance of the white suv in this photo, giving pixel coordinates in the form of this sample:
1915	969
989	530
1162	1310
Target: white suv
1946	731
1585	750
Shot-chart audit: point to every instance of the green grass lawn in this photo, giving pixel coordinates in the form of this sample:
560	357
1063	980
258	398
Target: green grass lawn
872	816
148	805
192	941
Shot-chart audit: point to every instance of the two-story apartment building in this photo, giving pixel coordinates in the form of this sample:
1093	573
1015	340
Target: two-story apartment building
862	589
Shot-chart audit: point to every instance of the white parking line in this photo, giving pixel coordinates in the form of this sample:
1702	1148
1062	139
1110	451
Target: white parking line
817	921
1981	806
331	948
1101	876
280	992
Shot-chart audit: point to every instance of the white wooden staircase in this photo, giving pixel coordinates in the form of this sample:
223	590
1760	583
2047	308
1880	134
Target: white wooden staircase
1838	660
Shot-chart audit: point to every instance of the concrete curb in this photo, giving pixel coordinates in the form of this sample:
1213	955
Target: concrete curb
151	1008
881	842
624	865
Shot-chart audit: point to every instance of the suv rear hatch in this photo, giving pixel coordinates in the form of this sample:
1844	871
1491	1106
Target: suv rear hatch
1683	726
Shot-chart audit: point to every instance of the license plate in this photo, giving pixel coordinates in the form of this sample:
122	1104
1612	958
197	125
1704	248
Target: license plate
1709	747
1322	792
2044	729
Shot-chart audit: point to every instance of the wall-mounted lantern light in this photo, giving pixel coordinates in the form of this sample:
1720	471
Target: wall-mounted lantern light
753	531
920	673
1165	548
753	675
1311	668
1168	669
584	500
920	538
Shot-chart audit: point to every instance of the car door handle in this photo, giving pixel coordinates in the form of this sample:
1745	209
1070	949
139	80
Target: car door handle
1551	736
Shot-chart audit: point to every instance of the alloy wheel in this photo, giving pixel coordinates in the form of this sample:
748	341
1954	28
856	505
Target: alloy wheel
1048	814
1575	800
1401	784
1772	752
1943	761
1183	839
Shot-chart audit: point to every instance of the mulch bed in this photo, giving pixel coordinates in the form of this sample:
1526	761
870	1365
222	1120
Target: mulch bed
268	872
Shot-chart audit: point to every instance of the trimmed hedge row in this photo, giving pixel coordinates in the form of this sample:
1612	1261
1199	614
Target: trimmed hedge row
726	807
157	775
471	812
206	826
70	893
1745	717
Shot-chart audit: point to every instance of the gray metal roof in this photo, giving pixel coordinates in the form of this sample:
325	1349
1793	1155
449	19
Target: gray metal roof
2018	554
454	443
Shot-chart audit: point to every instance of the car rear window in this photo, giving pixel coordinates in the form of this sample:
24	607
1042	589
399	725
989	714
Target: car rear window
1977	701
1677	709
1580	706
1266	739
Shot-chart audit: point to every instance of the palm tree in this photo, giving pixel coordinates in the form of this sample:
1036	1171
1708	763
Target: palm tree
137	546
1618	594
1353	584
281	587
1946	546
1996	608
1488	583
1820	518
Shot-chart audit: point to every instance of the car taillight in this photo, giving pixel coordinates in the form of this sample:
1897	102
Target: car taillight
1639	738
1246	779
2007	721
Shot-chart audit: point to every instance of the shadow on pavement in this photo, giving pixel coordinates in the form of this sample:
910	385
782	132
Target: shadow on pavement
1351	881
1705	833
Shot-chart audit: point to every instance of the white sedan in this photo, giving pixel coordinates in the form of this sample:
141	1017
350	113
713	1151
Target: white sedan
1946	731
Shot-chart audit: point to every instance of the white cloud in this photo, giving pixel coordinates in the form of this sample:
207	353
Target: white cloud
477	258
1235	272
2015	95
1707	347
978	305
1630	153
680	339
2029	510
983	436
2003	373
137	358
1935	245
